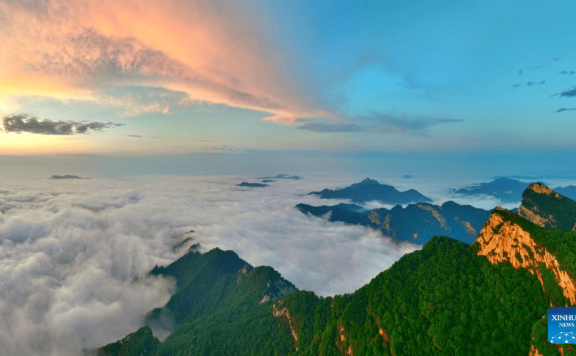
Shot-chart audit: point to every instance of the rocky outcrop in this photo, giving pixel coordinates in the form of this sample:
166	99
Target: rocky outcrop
546	208
506	242
536	217
435	213
534	351
279	310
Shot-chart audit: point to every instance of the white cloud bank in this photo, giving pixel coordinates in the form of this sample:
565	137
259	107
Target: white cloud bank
74	253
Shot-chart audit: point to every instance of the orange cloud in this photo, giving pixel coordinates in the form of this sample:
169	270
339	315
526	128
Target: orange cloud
214	54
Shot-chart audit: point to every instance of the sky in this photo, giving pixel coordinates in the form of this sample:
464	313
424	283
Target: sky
151	78
168	105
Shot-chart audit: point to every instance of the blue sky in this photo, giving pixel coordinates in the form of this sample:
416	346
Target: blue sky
214	76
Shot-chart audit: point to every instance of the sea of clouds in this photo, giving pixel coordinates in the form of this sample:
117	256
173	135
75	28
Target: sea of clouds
74	254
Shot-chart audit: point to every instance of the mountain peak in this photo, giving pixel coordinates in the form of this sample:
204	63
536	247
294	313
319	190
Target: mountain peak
546	208
370	180
505	239
371	190
540	188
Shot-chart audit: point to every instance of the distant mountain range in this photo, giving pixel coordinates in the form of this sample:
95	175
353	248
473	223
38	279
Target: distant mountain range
252	185
505	189
417	223
490	298
568	192
55	176
282	176
372	190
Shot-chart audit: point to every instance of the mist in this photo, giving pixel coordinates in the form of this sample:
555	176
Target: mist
74	254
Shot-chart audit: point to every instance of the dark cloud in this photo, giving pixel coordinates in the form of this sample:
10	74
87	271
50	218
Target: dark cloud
67	176
569	93
529	84
567	72
231	148
140	136
328	128
23	123
379	122
565	109
539	66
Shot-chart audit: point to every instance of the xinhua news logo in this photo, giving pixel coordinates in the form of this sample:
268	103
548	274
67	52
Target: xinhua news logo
562	325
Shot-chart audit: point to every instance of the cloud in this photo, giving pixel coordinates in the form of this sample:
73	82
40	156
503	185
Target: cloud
378	122
232	148
23	123
567	72
529	84
568	93
384	123
329	128
565	109
75	254
140	136
168	45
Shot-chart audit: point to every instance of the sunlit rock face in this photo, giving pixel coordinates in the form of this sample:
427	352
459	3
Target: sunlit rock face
546	208
502	241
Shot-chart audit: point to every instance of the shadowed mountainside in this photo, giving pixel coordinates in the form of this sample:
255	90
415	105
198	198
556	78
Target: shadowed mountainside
417	223
450	298
371	190
505	189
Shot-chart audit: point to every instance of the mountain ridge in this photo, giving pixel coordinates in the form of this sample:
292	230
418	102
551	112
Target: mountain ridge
506	189
416	223
371	190
450	298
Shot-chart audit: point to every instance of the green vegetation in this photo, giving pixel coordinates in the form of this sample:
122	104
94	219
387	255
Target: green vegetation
558	212
136	344
444	299
222	306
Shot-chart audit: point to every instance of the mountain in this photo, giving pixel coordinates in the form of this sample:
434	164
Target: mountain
141	342
67	177
568	192
369	190
417	223
222	305
282	176
547	208
506	189
252	185
490	298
